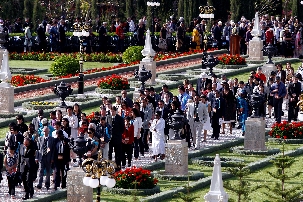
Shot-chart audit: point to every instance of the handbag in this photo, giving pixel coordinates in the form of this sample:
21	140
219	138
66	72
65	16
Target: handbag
162	44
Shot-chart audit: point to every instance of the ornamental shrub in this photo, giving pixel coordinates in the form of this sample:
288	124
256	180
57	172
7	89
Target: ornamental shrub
64	65
132	54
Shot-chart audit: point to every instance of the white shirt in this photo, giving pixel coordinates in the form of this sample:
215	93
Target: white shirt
73	123
137	126
54	134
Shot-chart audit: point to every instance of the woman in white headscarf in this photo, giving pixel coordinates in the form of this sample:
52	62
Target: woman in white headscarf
158	136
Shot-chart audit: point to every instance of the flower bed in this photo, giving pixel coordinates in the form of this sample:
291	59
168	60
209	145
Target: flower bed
227	59
135	178
35	105
113	82
209	161
286	130
22	80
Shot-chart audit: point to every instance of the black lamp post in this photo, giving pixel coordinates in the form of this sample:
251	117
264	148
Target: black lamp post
270	50
142	75
204	59
211	62
153	5
81	31
63	91
176	124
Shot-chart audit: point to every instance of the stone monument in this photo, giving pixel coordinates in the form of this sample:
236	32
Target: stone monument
256	45
176	157
148	60
255	126
6	89
76	190
216	193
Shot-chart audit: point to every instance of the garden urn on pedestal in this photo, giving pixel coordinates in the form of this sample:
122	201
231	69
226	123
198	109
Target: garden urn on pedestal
148	60
176	149
216	193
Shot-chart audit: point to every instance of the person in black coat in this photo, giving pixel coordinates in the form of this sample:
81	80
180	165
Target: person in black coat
116	139
42	38
294	91
16	138
62	36
61	159
20	123
103	37
27	167
218	110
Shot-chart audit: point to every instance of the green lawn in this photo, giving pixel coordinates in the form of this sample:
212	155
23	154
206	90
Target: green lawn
47	64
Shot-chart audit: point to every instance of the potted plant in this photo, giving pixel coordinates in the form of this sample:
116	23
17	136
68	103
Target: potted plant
112	84
231	61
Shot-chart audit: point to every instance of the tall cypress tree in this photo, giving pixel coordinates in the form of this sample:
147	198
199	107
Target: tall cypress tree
129	8
180	8
38	13
94	9
28	8
78	10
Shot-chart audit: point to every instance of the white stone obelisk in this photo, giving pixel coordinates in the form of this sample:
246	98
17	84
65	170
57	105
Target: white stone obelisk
216	193
148	60
256	45
6	89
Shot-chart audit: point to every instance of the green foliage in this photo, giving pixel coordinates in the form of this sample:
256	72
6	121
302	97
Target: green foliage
28	8
281	192
242	187
64	65
187	197
132	54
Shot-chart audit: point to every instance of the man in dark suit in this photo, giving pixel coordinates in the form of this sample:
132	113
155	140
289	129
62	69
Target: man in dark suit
16	139
116	139
61	159
202	82
294	91
218	109
126	99
62	35
217	33
27	167
45	156
103	37
279	91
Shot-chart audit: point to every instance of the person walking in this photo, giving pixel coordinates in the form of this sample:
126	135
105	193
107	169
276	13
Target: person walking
44	156
10	163
157	129
279	91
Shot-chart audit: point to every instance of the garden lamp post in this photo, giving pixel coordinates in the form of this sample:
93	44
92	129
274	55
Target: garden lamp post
99	173
62	91
142	75
153	5
81	31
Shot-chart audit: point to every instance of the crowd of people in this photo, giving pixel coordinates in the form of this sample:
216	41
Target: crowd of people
128	128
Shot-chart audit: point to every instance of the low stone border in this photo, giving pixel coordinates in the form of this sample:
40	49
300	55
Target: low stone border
202	183
240	150
230	66
39	105
192	175
136	192
57	195
286	141
209	161
108	91
27	70
10	115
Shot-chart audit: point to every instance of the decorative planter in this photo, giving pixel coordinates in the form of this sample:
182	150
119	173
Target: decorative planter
209	161
108	91
287	141
230	66
192	176
240	150
39	105
172	77
137	192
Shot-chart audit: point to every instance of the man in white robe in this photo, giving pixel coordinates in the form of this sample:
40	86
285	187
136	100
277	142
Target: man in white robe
158	136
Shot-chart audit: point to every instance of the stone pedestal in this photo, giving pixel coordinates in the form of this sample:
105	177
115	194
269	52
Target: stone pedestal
76	190
176	157
150	65
268	68
255	134
216	192
6	98
255	49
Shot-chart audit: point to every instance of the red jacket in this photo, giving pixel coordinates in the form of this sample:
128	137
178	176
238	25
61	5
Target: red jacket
119	32
128	133
261	77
